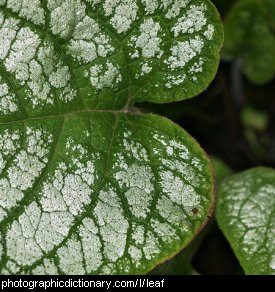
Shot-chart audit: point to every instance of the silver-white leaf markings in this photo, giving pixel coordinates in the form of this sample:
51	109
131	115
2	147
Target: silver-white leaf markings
104	54
87	184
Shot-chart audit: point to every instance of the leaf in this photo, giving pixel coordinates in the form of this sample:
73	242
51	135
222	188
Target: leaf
69	55
99	193
245	213
250	37
88	184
